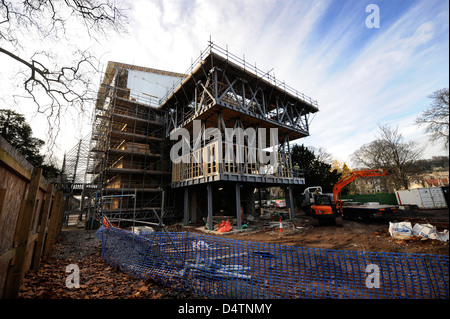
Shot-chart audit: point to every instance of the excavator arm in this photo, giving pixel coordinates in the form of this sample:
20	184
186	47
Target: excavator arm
350	178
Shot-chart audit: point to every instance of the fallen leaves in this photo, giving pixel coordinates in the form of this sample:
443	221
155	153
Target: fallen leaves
98	279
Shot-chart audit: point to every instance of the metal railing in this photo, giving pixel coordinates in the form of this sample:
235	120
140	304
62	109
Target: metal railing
241	62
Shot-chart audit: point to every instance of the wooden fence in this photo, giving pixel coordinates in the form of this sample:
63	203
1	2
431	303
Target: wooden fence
31	214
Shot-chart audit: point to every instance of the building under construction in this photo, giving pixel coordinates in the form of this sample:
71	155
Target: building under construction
127	160
140	113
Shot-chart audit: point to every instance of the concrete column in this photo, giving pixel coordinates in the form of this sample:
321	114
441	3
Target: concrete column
186	206
291	203
238	205
194	212
210	206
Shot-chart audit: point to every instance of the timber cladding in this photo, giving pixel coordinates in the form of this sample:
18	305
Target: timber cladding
31	211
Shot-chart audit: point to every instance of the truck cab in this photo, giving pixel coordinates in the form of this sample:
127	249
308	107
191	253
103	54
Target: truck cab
308	195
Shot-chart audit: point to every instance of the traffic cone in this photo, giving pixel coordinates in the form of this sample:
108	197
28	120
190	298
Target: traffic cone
281	226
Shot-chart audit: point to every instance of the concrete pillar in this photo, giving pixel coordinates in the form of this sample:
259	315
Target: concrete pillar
194	211
291	203
186	206
238	205
210	206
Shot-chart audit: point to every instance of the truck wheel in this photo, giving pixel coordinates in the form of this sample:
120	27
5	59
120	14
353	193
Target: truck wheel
315	222
338	221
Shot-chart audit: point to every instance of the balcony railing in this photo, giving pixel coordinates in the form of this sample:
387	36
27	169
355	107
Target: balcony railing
232	160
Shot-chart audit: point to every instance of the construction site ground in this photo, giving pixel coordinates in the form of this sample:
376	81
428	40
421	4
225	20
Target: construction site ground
99	280
372	235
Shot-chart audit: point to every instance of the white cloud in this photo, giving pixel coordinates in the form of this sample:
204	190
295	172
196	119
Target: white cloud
373	87
358	86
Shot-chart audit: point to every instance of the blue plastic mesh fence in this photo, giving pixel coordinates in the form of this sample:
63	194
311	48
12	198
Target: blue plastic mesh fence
226	268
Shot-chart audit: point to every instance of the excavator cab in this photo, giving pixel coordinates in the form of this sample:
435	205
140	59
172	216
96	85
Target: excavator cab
325	209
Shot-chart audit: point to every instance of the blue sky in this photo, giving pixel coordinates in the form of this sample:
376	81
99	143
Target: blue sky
361	77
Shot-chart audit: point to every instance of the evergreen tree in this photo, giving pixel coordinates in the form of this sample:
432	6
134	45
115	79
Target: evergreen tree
316	172
17	132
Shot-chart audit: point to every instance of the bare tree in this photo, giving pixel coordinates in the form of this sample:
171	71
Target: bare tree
390	151
321	154
51	82
436	117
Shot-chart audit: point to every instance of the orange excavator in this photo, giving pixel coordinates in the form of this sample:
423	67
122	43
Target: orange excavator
326	208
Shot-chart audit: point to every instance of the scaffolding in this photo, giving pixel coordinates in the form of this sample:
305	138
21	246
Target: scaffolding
127	158
138	108
74	166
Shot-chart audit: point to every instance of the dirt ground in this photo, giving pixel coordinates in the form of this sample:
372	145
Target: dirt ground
99	280
354	235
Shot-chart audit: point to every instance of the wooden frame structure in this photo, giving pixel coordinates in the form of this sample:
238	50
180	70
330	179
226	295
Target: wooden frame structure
223	91
130	146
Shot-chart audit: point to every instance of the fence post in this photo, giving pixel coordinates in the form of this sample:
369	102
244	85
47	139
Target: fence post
16	272
62	209
43	227
53	222
3	192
